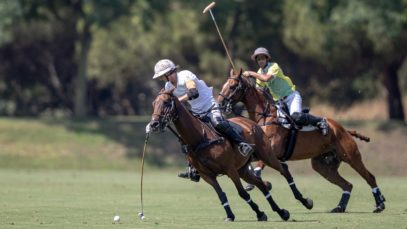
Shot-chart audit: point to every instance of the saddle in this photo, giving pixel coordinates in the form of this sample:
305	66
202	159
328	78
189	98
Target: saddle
284	118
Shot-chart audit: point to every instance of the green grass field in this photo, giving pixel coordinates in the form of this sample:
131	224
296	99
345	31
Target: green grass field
90	199
65	173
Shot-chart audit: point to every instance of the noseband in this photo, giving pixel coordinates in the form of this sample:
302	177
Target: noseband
169	112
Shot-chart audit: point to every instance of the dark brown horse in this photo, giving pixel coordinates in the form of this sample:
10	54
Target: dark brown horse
212	155
326	152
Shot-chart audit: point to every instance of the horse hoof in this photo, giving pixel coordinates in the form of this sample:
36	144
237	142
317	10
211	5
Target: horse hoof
249	187
309	204
269	186
229	219
338	209
284	214
379	208
262	218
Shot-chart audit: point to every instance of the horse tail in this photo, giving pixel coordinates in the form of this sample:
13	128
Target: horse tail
358	135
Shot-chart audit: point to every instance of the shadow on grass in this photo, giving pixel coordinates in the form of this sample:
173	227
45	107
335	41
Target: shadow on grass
130	132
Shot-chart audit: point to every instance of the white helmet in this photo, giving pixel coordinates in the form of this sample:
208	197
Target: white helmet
163	66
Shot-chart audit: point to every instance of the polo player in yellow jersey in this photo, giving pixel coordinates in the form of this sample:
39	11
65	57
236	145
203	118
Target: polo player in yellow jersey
271	76
281	87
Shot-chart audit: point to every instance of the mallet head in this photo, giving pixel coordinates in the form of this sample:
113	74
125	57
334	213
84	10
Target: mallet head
209	7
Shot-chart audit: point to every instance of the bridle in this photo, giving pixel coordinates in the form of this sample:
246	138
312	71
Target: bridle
229	99
169	112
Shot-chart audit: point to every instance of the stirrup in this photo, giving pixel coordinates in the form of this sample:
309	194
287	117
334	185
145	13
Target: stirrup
245	149
191	174
184	175
323	127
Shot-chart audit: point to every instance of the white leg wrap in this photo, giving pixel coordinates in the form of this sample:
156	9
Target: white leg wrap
257	169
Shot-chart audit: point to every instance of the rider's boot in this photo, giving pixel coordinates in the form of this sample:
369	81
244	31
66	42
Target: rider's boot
319	122
308	119
244	148
190	173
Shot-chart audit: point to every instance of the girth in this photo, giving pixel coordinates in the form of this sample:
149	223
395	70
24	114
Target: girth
289	148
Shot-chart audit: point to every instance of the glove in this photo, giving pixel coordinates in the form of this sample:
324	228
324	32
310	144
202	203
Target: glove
148	128
246	73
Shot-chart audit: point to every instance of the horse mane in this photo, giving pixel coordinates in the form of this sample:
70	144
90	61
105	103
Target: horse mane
262	98
181	108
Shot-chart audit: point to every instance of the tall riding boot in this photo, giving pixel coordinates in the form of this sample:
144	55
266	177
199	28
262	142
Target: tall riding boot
244	148
318	122
190	173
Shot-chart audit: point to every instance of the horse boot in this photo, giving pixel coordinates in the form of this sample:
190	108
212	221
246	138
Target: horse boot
225	128
304	119
190	173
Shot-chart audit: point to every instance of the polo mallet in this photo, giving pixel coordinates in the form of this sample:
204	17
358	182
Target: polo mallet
208	8
141	214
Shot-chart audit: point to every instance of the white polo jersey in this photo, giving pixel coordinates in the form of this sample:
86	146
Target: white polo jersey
205	99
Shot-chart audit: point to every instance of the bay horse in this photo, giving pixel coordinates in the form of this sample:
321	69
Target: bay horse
212	155
326	152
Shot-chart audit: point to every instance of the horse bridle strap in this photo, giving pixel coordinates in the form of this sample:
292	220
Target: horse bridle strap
239	86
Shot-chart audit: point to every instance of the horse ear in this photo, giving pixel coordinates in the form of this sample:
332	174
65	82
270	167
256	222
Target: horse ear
232	72
240	72
172	90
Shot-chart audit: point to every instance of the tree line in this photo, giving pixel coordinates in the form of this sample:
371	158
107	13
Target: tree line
96	57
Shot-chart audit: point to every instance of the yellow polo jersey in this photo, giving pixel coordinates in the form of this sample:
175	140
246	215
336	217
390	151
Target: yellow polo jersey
279	85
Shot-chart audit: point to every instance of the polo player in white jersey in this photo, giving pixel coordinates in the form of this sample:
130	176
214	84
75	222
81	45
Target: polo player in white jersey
188	88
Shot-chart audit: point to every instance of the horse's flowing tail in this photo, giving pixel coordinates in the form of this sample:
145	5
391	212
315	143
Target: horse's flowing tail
357	135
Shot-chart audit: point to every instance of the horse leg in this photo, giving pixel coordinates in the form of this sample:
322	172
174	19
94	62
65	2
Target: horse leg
249	177
234	176
307	202
222	196
282	167
329	170
257	171
356	163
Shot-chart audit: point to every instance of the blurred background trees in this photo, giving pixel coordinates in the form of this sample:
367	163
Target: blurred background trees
96	57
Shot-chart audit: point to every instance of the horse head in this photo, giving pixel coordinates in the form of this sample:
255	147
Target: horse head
164	111
233	90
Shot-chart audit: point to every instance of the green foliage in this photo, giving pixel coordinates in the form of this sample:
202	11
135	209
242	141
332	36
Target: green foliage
326	46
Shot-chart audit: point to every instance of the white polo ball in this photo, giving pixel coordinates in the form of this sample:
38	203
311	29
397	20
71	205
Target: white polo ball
116	219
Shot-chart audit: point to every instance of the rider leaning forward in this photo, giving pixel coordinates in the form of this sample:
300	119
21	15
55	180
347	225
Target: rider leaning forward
188	88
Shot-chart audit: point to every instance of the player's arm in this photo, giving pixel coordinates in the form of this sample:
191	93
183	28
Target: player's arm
192	92
262	77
